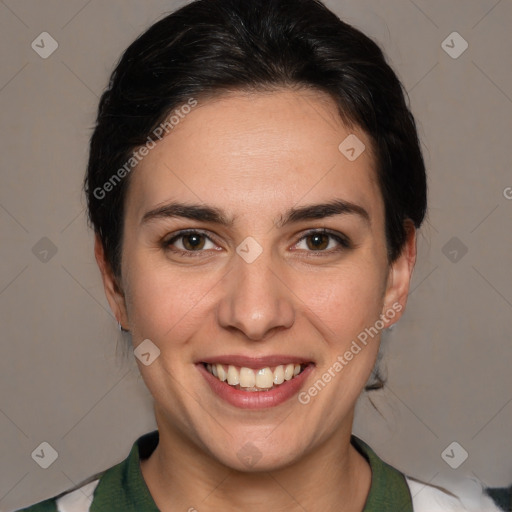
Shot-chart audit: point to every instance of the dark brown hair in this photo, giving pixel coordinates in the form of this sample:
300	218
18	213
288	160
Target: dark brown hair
211	46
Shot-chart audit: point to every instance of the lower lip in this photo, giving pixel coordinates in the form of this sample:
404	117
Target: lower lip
256	399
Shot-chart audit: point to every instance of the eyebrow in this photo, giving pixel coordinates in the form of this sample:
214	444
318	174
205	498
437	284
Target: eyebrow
293	215
188	211
321	211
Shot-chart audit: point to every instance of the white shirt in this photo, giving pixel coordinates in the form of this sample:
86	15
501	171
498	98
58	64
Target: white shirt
425	498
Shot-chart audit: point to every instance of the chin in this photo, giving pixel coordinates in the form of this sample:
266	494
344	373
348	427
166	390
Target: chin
257	452
250	459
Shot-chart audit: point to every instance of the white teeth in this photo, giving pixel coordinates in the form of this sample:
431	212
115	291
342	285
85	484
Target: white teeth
254	380
288	371
264	378
247	378
279	375
233	376
221	373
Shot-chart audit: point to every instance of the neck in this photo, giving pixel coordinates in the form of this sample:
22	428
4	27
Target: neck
182	477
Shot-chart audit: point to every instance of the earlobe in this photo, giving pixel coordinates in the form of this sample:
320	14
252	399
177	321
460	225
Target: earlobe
113	291
400	274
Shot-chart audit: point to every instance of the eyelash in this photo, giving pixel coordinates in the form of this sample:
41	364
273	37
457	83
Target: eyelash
343	241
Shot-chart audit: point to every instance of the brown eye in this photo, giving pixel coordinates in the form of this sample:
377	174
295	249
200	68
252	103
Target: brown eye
188	242
322	241
193	241
317	241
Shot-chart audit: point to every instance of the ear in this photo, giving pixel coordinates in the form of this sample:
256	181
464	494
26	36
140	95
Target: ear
399	277
113	290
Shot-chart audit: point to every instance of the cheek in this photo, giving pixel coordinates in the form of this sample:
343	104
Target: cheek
345	301
166	305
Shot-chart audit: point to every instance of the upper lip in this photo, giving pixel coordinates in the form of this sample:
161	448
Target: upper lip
255	362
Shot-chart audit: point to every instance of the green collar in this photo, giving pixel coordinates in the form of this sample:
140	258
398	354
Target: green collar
122	487
389	490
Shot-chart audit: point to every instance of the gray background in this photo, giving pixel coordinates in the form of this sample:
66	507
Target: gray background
64	379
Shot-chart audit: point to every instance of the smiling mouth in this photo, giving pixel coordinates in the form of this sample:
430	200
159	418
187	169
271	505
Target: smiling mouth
247	379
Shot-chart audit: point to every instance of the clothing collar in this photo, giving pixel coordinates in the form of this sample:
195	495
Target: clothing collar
389	489
122	488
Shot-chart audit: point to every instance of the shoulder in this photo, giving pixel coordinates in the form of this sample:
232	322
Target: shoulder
390	488
48	505
117	488
464	496
76	500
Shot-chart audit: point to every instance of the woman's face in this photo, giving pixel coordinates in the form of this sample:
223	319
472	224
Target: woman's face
266	276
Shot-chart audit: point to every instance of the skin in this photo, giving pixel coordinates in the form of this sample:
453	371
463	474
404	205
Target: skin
255	156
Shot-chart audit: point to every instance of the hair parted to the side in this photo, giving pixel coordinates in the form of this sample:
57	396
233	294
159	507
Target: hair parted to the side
213	46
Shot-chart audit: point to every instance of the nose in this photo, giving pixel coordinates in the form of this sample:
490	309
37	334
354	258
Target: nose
256	300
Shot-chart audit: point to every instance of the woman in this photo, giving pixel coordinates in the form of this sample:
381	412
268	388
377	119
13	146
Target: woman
255	184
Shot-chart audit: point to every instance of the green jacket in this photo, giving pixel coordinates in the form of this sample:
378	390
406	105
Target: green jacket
122	488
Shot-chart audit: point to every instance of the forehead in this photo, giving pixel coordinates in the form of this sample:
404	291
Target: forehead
253	150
